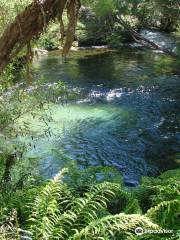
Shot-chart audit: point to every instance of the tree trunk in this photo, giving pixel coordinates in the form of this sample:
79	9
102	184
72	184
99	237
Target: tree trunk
27	25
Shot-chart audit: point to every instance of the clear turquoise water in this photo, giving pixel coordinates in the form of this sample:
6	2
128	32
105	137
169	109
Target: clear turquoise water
125	114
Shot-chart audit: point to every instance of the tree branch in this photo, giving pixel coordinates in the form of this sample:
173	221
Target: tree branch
30	23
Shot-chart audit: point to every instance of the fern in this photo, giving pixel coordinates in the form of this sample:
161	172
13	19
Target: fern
101	211
51	221
166	213
47	207
114	227
82	210
153	191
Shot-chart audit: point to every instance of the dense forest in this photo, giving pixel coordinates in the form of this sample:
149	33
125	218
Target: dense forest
89	119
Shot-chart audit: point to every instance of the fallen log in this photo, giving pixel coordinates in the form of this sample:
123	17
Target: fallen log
142	40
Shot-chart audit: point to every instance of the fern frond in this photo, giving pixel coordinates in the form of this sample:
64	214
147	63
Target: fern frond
84	209
47	207
171	175
166	213
153	191
114	227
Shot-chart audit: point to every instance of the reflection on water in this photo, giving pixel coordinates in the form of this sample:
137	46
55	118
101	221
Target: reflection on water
125	115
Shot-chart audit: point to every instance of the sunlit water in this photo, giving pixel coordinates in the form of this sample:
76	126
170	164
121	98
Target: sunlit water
162	39
125	115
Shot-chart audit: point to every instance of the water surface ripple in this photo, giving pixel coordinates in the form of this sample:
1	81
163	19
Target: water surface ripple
125	115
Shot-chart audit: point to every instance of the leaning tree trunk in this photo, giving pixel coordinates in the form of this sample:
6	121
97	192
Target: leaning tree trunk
30	23
142	40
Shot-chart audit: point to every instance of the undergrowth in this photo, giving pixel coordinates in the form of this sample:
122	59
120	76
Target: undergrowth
99	210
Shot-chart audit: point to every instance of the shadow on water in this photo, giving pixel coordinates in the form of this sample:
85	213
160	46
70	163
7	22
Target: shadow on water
126	113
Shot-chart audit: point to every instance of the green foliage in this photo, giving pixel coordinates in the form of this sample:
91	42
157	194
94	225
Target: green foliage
91	175
120	226
93	203
103	7
160	198
94	27
165	188
9	10
99	18
51	38
57	215
47	207
166	213
62	212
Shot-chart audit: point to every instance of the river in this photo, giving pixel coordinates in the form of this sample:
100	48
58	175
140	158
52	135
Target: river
125	113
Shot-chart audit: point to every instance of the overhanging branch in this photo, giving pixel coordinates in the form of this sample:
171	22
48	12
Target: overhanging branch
30	23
